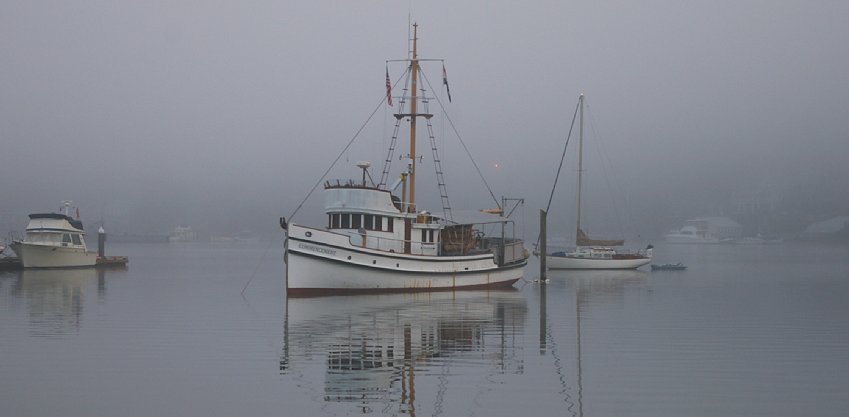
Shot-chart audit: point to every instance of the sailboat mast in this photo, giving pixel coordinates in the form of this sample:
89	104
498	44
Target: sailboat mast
414	69
580	161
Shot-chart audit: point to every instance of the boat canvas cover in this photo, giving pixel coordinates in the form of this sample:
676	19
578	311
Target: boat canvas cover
584	240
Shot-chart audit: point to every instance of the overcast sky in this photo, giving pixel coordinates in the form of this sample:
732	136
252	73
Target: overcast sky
149	114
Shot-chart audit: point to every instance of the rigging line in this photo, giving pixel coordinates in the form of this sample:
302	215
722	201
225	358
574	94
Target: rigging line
350	142
468	153
256	268
390	152
562	157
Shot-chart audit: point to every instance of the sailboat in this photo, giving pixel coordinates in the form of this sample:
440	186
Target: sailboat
375	240
594	253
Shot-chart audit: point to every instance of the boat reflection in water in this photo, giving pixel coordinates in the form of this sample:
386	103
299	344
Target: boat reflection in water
55	297
586	285
376	348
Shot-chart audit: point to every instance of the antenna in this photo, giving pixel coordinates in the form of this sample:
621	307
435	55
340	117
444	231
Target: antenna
364	165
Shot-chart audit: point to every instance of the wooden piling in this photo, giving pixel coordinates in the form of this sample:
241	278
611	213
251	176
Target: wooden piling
542	240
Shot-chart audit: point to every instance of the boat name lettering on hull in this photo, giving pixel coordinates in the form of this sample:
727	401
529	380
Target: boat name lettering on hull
326	251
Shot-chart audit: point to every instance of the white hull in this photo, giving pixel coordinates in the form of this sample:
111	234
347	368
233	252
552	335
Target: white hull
564	262
315	267
49	256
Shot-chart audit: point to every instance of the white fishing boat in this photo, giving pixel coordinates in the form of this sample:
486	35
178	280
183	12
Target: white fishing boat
594	253
54	240
375	240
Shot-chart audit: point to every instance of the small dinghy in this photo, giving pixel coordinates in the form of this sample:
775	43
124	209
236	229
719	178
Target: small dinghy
669	267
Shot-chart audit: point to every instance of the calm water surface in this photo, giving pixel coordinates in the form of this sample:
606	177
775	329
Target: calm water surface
746	331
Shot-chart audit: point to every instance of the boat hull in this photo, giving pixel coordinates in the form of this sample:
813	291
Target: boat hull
48	256
681	239
566	262
316	268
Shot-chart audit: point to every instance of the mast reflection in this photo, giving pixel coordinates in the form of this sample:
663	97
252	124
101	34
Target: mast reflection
375	347
586	285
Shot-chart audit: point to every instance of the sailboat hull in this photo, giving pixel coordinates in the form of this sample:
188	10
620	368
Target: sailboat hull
566	262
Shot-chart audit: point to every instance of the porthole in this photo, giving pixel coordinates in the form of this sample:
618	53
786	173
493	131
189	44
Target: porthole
349	258
374	262
397	265
308	234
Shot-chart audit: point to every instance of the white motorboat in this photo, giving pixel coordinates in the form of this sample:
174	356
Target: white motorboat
377	241
696	235
593	253
54	240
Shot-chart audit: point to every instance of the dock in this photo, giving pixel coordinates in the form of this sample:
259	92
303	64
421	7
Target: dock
112	262
10	263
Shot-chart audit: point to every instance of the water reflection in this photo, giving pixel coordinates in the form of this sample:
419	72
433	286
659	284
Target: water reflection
375	348
585	286
55	297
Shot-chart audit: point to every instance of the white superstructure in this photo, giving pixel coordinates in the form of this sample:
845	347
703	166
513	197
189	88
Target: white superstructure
54	240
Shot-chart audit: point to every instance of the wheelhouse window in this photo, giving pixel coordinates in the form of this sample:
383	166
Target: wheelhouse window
66	238
356	221
334	221
390	227
346	221
76	239
368	222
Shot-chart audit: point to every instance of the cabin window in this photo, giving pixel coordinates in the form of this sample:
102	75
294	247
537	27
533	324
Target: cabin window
368	222
356	221
431	239
424	235
66	238
76	239
334	222
329	221
378	223
346	221
390	223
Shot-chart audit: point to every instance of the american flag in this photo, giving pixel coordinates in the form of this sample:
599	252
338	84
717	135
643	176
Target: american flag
388	88
445	81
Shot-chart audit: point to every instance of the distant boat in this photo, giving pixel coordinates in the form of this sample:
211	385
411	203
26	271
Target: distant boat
594	253
698	231
182	234
669	267
54	240
690	234
375	240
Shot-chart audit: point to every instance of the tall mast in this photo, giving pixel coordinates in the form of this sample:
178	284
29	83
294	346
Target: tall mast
580	160
414	69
